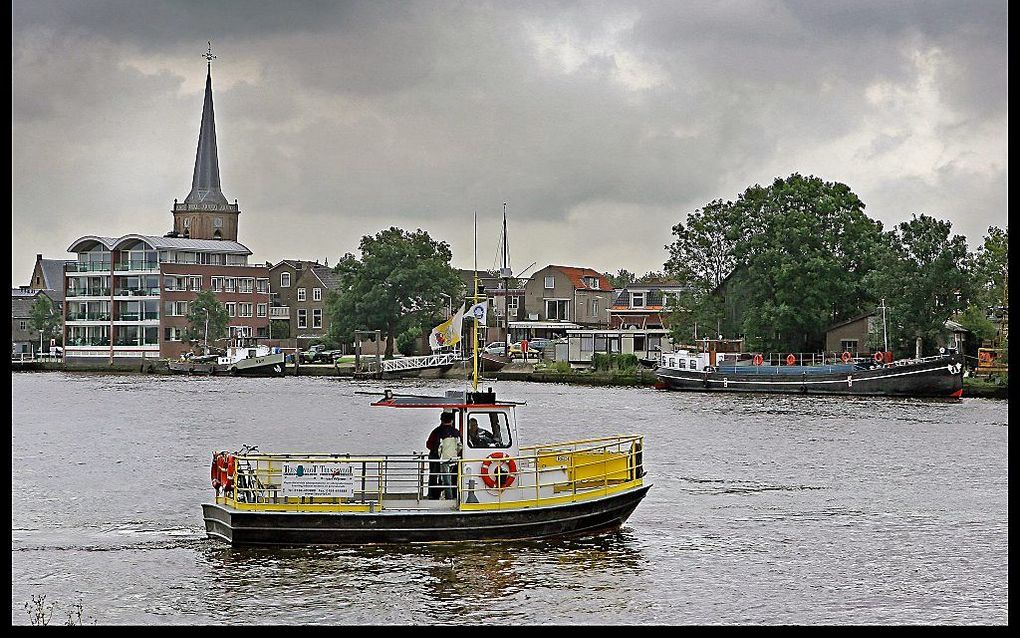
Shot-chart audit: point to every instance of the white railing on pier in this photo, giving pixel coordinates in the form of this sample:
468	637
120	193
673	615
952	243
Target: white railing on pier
413	363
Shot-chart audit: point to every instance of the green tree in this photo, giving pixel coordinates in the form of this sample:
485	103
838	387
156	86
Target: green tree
44	318
621	279
991	268
795	253
279	328
206	305
924	277
396	283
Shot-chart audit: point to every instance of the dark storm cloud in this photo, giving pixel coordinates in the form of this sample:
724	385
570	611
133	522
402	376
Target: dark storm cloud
601	124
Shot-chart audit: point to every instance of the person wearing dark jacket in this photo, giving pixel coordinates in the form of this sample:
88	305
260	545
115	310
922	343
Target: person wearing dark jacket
443	430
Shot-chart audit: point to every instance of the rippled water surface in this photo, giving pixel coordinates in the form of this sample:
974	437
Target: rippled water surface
763	509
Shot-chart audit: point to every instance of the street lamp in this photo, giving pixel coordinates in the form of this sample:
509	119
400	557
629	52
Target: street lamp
449	301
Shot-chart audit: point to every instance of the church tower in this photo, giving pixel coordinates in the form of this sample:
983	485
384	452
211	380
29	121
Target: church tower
205	213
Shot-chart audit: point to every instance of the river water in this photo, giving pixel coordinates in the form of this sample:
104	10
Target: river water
765	510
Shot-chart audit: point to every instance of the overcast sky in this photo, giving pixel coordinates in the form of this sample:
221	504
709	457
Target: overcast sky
601	124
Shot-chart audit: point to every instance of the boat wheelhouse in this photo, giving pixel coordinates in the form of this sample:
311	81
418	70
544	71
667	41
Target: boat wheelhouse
497	489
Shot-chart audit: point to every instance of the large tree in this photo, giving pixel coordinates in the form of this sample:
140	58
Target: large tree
989	278
795	252
206	306
399	282
924	278
44	318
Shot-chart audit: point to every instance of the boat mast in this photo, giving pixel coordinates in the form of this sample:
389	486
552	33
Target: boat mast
474	324
505	273
885	331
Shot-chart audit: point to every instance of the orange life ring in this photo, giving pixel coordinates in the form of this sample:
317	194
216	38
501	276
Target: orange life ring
498	478
878	357
214	471
220	475
846	356
758	360
790	359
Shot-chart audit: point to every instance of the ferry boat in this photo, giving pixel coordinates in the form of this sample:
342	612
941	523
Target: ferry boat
497	490
936	376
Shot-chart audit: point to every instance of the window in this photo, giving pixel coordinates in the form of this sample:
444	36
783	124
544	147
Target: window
300	294
592	282
262	285
493	430
317	318
639	342
512	304
246	284
302	318
848	345
231	309
244	309
316	294
595	307
557	309
587	343
217	222
285	280
550	283
24	325
637	300
230	283
263	309
217	284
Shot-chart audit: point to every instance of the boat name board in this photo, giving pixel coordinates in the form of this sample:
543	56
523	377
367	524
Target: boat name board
318	479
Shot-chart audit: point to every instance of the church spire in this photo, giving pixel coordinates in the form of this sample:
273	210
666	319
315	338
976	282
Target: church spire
205	185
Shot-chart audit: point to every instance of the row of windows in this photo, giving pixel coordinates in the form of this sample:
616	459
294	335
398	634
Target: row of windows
302	318
243	309
591	282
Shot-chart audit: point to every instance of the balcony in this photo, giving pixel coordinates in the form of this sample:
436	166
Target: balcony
138	316
89	316
138	265
279	312
138	292
102	266
88	292
85	343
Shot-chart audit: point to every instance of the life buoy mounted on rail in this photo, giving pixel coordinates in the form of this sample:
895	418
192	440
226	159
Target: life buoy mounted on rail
879	357
499	470
790	359
846	356
758	360
222	471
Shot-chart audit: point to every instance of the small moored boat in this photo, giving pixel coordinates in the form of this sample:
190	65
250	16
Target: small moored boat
497	489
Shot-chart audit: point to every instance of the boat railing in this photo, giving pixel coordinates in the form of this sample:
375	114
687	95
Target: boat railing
539	475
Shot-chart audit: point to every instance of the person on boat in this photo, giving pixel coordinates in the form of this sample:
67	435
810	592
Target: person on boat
478	437
444	430
449	452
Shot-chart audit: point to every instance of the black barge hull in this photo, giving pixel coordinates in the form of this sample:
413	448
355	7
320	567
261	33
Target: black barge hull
356	528
937	378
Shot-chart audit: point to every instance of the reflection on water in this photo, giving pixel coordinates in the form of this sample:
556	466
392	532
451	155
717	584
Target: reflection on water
772	510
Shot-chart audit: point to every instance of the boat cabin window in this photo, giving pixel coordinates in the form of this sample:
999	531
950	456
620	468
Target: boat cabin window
694	364
680	364
488	429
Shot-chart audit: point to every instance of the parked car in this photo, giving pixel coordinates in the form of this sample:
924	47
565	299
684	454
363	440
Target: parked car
313	354
496	347
539	344
515	349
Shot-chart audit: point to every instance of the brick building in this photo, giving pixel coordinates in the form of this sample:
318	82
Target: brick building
299	297
128	296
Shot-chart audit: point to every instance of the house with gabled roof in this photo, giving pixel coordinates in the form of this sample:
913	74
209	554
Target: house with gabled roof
558	298
299	298
644	305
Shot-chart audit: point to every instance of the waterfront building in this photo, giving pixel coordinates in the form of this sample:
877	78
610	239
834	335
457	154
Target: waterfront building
640	305
129	296
645	343
24	338
558	298
299	298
